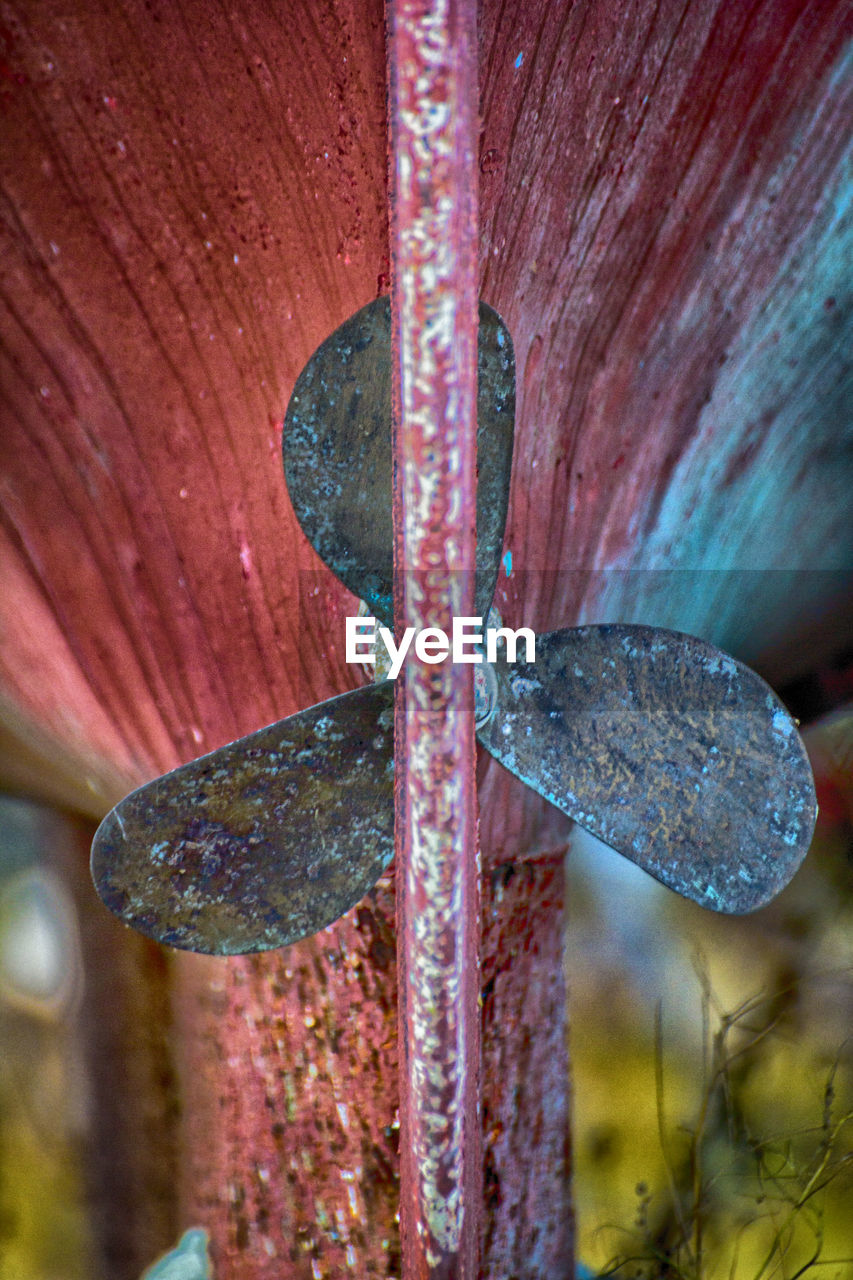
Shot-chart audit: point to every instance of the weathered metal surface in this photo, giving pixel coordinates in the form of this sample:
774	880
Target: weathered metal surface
337	453
310	1190
672	266
668	750
433	125
528	1212
665	747
260	843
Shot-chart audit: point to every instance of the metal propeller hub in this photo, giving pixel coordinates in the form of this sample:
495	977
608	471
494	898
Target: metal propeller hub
485	694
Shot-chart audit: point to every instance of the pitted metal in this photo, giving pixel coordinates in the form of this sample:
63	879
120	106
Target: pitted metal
336	445
668	750
260	843
485	694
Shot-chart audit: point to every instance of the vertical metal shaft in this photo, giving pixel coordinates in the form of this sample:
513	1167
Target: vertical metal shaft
433	109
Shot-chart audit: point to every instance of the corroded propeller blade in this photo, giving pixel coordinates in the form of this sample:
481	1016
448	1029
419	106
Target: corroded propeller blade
337	453
668	750
262	842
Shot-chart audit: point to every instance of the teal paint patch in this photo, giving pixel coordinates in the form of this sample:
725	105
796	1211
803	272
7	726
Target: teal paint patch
187	1261
508	564
770	465
754	531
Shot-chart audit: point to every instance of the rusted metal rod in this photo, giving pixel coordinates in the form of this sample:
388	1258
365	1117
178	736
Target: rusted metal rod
433	108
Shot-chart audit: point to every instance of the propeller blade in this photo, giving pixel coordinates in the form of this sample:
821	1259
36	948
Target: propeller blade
336	446
262	842
668	750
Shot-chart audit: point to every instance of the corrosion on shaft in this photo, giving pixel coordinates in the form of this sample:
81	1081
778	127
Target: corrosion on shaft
433	119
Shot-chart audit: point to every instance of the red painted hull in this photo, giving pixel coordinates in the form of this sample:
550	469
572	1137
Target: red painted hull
194	199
